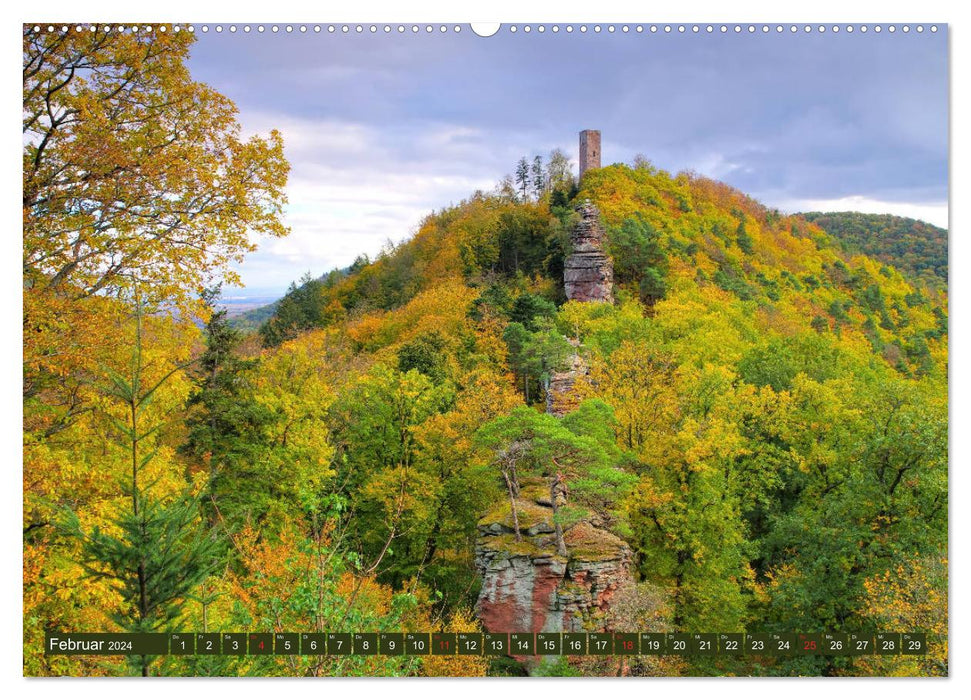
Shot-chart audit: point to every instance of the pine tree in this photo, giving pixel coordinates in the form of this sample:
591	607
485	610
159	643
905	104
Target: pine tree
300	309
522	177
539	177
575	456
161	551
225	420
744	239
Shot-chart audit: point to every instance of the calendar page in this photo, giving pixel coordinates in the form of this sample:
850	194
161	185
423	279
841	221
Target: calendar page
607	349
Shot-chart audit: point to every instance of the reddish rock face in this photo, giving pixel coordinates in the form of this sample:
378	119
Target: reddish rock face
588	273
519	593
527	587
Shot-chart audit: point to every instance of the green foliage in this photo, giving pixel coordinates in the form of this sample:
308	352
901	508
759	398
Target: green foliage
778	362
224	417
524	241
869	505
529	309
639	257
156	551
916	248
253	319
743	239
731	279
535	355
155	558
424	354
299	310
761	416
391	493
527	443
496	299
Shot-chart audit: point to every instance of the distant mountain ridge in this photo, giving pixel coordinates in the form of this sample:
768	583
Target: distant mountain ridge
916	248
249	319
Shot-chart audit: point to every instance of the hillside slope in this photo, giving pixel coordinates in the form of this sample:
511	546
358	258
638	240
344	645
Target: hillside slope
768	411
756	438
916	248
673	239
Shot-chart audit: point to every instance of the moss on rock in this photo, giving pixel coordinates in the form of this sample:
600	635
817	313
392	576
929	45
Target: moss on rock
507	544
587	543
530	515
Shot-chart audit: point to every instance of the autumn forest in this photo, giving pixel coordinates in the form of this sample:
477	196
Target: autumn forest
755	435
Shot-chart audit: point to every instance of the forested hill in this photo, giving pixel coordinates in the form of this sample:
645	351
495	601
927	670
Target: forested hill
296	302
673	238
753	435
762	420
914	247
774	406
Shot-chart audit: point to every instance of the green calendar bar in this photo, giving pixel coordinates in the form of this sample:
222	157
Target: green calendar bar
418	643
517	644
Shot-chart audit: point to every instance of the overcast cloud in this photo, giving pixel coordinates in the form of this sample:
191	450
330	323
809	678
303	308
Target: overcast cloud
382	129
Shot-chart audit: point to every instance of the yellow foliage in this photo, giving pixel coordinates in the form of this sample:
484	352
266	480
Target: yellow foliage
442	308
911	597
457	666
144	134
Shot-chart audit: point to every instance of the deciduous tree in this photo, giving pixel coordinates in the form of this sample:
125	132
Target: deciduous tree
134	174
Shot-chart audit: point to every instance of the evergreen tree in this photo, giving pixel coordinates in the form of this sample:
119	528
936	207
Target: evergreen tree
535	356
159	551
301	309
529	309
566	453
639	257
522	177
539	177
225	420
744	239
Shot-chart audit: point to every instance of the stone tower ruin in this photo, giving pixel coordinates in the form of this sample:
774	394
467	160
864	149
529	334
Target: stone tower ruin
588	272
589	150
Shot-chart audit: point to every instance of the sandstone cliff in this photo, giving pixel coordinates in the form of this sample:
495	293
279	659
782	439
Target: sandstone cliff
526	586
588	273
561	394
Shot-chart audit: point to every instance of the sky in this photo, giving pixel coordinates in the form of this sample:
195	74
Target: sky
382	129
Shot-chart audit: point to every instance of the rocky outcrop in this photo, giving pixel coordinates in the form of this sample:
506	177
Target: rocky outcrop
588	273
527	587
561	394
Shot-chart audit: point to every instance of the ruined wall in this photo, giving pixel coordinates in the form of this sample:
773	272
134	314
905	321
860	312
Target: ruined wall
588	272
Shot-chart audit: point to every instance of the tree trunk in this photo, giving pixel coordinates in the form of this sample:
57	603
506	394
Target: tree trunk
512	505
431	543
558	529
